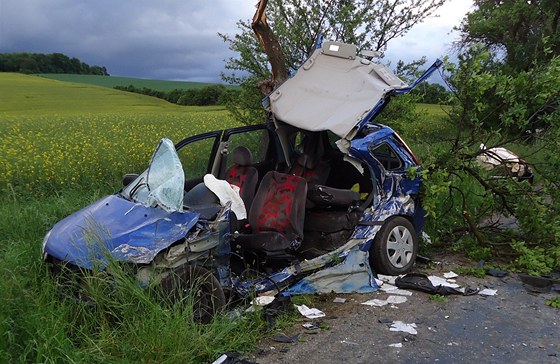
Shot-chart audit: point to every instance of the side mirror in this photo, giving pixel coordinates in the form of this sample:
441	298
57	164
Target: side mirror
128	178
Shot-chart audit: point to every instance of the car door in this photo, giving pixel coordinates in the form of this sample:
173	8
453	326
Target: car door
262	143
198	155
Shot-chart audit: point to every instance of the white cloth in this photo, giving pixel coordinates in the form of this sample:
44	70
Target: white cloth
226	193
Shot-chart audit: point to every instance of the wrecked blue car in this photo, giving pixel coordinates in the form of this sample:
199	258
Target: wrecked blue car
317	199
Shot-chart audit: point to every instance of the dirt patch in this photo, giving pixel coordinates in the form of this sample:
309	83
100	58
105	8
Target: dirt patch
513	326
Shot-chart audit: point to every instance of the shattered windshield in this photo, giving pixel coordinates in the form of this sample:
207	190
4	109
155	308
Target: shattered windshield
162	184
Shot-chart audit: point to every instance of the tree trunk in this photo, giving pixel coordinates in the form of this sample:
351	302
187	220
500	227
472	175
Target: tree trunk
271	47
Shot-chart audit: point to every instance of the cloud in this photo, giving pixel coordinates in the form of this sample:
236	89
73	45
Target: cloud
165	39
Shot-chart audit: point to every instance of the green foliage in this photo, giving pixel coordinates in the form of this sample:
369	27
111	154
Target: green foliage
46	63
553	302
439	298
519	33
494	108
537	260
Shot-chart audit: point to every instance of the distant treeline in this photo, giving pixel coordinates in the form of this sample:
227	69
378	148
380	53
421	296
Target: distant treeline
428	93
209	95
47	63
432	93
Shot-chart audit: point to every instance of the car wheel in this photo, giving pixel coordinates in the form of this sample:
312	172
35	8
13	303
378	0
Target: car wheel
394	248
197	288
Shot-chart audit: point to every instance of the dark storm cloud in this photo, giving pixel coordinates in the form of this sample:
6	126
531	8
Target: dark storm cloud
167	39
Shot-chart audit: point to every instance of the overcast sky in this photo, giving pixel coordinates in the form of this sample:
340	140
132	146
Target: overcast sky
169	39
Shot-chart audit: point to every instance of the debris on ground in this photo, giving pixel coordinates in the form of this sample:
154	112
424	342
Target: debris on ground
310	313
450	275
393	300
403	327
232	358
339	300
488	292
281	338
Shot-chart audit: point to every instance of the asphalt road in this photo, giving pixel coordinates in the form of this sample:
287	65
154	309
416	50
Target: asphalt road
514	326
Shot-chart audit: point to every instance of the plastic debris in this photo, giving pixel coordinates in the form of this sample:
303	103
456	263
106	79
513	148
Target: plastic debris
396	345
403	327
348	342
339	300
311	325
487	292
496	272
310	313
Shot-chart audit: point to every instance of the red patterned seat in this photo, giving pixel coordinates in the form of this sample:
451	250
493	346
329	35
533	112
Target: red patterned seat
243	175
276	216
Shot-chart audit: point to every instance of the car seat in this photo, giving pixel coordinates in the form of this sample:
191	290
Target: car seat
243	175
276	216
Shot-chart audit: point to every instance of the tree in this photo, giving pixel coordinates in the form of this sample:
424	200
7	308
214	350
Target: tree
288	31
520	36
521	33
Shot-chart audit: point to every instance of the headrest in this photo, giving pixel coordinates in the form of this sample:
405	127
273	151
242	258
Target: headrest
308	161
242	156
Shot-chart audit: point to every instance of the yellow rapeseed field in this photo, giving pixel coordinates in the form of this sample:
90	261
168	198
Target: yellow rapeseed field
58	135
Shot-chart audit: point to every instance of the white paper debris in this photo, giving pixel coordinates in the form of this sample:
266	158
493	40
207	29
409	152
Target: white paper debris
375	302
450	274
387	279
221	359
339	300
401	326
396	299
262	300
396	345
488	292
426	238
394	290
310	313
439	281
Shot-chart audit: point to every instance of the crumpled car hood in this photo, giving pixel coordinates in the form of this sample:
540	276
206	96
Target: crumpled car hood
115	228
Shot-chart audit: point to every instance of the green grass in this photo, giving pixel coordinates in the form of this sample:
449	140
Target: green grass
112	81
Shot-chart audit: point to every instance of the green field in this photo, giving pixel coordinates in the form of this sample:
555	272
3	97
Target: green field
112	81
57	134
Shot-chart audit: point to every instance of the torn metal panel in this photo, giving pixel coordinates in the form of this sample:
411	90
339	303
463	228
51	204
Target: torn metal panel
352	275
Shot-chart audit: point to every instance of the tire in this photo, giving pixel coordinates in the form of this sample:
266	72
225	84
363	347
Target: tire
197	288
394	248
